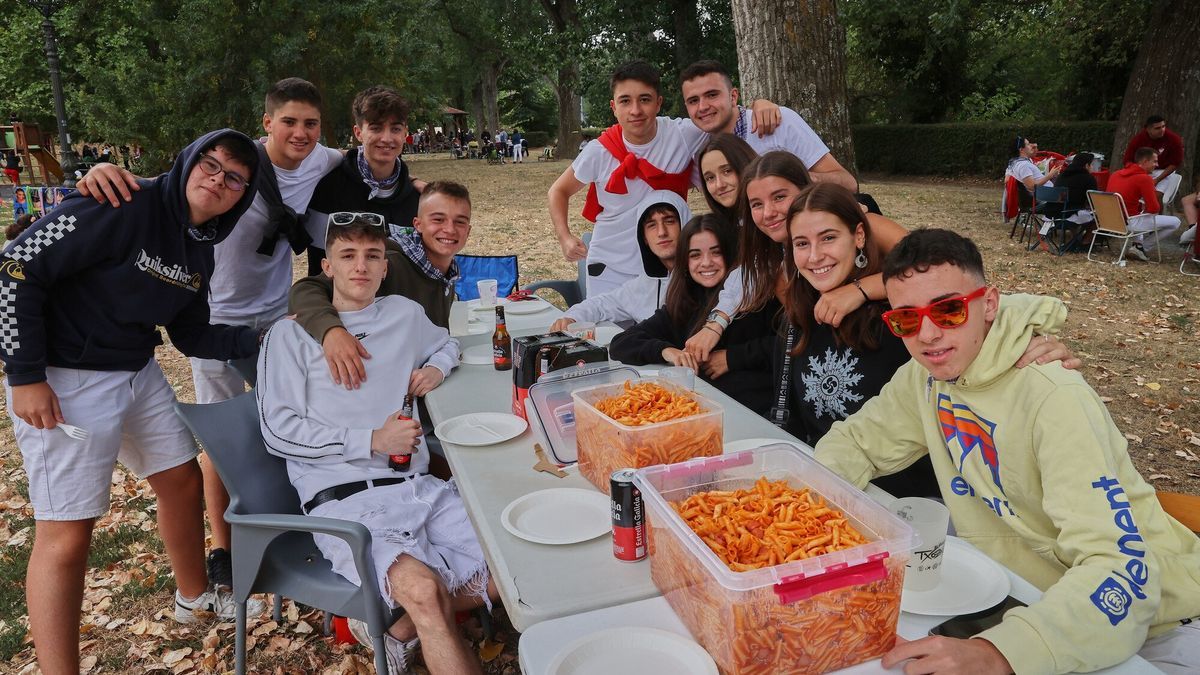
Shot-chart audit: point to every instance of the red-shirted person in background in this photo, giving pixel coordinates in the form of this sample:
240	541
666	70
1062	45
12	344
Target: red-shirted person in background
1169	146
1137	188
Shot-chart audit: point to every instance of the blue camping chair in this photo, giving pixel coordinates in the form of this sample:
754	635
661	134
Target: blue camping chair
474	268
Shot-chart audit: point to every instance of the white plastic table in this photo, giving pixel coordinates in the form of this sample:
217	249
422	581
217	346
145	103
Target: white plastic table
540	582
540	644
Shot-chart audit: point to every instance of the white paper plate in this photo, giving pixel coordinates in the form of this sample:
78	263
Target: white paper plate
475	306
605	334
632	650
559	516
483	428
971	582
478	355
526	306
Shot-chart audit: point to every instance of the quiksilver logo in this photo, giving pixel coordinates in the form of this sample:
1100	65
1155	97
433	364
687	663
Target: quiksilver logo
175	274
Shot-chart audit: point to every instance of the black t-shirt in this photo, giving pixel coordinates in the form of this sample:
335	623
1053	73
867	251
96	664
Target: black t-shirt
831	381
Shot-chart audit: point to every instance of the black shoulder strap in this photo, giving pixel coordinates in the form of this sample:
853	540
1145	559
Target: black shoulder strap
779	413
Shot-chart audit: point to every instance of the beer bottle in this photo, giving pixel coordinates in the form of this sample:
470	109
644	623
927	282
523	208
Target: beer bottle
403	462
501	343
543	363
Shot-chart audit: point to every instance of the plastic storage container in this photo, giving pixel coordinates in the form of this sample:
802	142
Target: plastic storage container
551	410
809	616
605	445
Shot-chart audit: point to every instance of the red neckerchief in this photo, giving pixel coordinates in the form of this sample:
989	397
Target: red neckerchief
631	166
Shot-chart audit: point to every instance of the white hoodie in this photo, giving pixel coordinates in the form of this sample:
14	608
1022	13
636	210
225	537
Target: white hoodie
636	299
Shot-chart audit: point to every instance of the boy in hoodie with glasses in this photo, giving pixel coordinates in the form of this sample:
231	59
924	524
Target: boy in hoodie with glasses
82	294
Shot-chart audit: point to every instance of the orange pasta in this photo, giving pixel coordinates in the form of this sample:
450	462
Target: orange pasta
751	632
645	424
767	525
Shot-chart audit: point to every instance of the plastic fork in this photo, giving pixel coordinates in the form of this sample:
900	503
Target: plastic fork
74	432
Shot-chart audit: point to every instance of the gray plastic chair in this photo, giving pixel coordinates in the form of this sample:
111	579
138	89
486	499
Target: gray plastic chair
573	292
273	549
247	367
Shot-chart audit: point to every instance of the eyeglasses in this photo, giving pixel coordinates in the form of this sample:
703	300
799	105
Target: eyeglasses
234	181
348	218
948	313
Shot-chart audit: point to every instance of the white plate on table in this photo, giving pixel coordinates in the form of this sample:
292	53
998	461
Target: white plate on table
476	306
558	516
478	355
481	428
526	306
605	334
632	651
971	582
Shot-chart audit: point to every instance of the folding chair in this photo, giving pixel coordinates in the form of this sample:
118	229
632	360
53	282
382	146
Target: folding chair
1112	221
1025	210
474	268
1193	256
1051	202
573	292
273	548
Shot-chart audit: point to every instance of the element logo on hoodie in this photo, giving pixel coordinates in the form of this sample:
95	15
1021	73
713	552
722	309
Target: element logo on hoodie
972	431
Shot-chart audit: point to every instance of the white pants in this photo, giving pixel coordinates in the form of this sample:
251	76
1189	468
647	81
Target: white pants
1149	222
1168	186
1175	653
218	381
518	152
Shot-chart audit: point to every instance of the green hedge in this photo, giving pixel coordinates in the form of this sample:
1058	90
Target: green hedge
975	148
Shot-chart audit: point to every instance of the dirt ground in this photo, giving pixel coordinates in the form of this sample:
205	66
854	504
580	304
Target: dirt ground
1135	328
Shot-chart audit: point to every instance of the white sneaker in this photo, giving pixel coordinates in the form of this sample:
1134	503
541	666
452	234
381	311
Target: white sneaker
1138	252
215	603
398	653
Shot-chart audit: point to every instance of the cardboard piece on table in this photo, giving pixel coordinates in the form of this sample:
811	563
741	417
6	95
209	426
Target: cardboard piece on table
545	465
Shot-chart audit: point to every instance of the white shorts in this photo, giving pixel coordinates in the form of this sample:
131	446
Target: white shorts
423	517
217	381
1176	652
130	418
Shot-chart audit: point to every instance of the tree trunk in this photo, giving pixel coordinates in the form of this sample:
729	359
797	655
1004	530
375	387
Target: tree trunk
564	22
477	111
685	22
489	89
793	52
1165	81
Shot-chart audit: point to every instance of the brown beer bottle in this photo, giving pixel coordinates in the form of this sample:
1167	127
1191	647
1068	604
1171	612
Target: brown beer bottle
501	343
402	462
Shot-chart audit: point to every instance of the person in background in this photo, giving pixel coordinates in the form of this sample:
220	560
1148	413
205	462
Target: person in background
1136	188
18	226
1168	144
722	161
1022	168
1077	178
518	146
12	166
1034	472
1191	213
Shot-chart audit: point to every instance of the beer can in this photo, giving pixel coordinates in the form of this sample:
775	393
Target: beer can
628	517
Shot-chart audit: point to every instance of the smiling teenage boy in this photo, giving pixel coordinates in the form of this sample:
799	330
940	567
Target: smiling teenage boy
1034	472
83	292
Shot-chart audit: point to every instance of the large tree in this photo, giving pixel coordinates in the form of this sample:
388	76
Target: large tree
566	39
794	53
1165	79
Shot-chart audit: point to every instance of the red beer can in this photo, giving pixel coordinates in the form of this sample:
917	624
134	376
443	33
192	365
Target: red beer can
628	517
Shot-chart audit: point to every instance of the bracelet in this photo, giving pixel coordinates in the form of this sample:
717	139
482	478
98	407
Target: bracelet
858	285
713	329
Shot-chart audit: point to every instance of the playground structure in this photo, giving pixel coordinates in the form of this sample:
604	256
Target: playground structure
34	148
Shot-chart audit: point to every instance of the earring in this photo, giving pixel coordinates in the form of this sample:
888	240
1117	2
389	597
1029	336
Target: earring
860	260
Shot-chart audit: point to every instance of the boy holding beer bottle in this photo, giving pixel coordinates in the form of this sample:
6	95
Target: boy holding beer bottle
339	444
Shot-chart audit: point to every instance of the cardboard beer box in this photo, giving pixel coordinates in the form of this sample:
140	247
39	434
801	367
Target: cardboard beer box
566	351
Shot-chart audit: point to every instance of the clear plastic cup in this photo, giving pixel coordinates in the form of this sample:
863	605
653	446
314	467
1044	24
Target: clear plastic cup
487	292
680	375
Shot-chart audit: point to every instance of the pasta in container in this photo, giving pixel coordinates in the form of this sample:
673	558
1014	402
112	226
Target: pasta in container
630	426
773	563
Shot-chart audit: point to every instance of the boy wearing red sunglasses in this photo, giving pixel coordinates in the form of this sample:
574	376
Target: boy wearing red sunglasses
1034	472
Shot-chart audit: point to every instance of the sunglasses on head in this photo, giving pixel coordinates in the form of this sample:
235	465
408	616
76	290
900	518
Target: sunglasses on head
348	218
948	313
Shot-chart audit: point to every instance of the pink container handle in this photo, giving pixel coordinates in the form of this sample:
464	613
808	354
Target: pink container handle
706	464
803	589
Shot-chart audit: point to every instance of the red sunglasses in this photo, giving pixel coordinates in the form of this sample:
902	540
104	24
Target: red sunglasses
948	313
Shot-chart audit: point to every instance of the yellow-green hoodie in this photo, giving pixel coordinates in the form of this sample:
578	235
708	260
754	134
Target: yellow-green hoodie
1060	504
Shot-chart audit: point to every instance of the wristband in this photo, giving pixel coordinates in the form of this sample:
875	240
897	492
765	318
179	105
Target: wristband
858	285
713	329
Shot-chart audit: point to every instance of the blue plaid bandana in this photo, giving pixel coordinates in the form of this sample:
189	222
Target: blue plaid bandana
411	245
740	128
364	170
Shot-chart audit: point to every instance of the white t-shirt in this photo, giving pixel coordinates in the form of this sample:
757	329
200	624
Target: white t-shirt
245	283
793	135
614	238
1024	168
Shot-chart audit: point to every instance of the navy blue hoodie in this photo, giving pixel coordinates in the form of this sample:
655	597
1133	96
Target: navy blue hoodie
87	285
